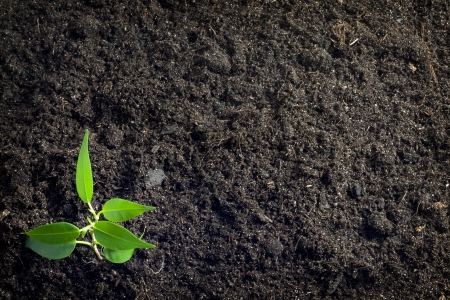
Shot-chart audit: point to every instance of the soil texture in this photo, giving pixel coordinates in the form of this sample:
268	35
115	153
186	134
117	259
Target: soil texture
293	149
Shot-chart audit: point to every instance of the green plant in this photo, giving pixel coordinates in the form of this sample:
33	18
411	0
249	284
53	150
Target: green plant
58	240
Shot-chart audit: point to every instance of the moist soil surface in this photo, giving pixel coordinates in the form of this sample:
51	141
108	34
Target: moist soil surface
304	146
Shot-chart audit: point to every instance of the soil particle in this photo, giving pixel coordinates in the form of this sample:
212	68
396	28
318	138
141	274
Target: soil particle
274	247
155	178
378	222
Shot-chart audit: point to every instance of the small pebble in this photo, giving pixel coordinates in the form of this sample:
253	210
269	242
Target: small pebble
155	178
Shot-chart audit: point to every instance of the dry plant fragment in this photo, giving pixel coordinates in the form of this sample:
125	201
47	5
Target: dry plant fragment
440	205
340	31
420	228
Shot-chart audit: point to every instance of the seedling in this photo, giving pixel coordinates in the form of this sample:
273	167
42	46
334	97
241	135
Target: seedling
58	240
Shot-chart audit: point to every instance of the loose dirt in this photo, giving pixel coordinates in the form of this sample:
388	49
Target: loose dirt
304	146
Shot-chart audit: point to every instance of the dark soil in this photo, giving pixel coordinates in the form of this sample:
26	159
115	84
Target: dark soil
305	146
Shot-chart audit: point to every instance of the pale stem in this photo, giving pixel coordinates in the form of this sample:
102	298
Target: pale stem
94	244
92	211
85	228
84	243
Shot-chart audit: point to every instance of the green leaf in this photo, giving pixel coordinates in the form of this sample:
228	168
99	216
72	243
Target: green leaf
120	210
56	233
55	251
118	256
115	237
84	180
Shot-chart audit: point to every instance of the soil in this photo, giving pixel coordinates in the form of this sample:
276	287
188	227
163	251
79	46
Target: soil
304	146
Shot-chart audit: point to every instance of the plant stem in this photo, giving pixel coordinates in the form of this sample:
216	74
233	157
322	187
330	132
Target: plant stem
94	244
97	252
83	243
92	211
90	228
85	228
